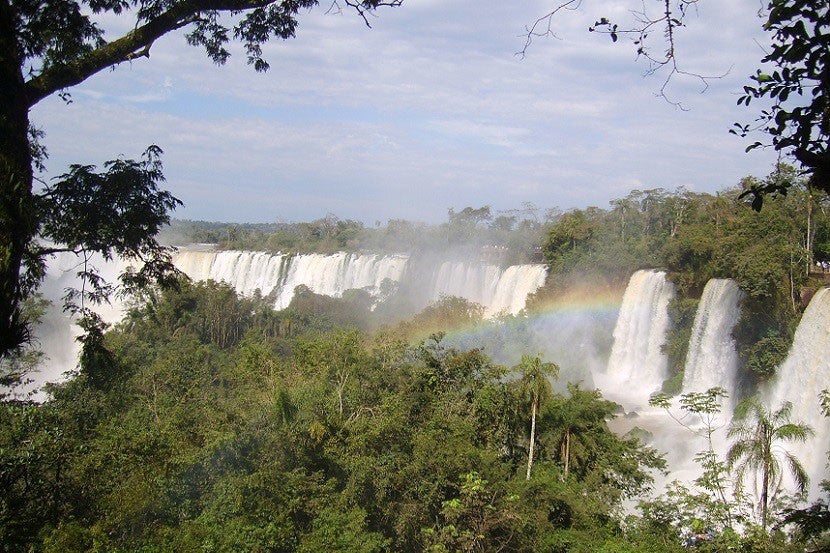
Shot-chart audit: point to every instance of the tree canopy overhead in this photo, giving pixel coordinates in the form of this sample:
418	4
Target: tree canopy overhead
48	46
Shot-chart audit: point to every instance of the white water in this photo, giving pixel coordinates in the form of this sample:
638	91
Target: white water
712	359
801	377
498	290
637	366
55	334
330	275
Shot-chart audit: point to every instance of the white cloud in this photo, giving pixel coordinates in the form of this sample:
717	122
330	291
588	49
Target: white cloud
427	110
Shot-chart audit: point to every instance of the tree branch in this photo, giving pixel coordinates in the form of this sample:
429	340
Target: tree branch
134	44
544	25
362	7
671	16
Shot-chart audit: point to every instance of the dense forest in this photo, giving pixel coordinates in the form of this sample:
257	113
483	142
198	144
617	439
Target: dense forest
206	421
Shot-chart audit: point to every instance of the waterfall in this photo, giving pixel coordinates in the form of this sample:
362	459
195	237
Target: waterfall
498	290
515	284
803	374
637	365
56	331
330	275
712	359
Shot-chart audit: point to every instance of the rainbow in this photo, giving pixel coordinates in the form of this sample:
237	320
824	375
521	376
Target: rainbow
573	328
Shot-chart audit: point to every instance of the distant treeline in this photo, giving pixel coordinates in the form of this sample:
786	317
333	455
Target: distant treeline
509	237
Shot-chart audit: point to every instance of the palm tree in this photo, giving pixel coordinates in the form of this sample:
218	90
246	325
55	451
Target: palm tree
535	383
577	421
757	432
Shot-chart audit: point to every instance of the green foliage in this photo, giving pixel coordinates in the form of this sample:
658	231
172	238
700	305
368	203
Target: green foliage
481	518
763	335
682	316
261	441
16	367
343	531
129	210
446	313
575	432
707	505
766	355
695	237
326	313
797	123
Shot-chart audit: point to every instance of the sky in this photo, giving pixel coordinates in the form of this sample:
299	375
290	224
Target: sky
429	109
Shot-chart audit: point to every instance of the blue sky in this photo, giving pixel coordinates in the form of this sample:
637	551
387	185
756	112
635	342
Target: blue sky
429	109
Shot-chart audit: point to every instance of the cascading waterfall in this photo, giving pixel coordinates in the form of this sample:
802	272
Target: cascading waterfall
712	359
329	275
56	330
248	271
804	373
637	365
498	290
515	284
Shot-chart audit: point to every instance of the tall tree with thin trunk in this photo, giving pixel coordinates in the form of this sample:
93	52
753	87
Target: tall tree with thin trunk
755	452
536	386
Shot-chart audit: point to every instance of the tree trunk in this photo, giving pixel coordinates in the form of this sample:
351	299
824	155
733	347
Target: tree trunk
532	434
764	495
567	447
767	434
809	241
17	217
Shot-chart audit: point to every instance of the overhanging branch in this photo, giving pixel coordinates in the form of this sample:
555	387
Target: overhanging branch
132	45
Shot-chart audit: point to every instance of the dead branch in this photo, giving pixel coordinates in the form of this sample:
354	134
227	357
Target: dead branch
672	16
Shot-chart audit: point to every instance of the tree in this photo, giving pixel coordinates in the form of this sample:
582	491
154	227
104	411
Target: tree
701	416
480	519
535	383
575	418
798	123
758	431
48	46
